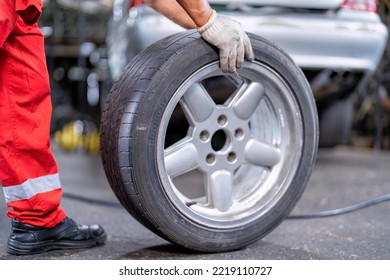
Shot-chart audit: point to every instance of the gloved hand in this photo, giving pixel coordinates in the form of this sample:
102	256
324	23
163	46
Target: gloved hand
231	40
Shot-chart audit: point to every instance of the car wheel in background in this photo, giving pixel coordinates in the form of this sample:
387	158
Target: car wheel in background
335	121
208	160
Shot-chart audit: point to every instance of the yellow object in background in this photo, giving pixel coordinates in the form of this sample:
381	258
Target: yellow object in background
78	135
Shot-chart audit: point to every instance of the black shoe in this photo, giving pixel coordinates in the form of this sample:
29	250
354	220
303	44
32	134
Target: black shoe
26	239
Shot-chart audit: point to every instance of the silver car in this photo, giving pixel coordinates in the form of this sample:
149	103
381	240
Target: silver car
338	44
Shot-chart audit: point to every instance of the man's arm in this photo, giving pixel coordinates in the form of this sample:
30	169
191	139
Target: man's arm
188	14
199	11
172	10
223	32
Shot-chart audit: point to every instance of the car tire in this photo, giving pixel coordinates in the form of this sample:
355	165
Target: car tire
335	121
236	167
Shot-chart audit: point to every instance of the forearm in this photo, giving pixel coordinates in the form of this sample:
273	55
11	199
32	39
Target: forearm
199	11
174	11
220	31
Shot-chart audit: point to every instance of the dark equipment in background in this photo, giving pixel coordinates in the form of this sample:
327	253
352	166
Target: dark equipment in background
75	33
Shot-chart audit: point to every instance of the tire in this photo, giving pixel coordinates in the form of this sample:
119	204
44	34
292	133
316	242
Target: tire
335	122
209	161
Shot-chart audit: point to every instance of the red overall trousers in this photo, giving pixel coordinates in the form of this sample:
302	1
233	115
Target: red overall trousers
28	172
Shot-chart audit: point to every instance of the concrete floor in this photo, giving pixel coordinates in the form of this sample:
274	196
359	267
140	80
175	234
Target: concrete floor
341	177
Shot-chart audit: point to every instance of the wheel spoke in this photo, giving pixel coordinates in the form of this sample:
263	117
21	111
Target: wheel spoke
180	158
197	103
261	154
247	101
219	190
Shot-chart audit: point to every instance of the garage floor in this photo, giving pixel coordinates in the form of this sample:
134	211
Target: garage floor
342	177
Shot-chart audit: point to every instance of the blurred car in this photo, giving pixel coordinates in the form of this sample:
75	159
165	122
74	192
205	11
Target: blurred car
337	43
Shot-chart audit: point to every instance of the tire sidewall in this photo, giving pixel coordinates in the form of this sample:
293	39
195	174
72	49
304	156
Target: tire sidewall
161	211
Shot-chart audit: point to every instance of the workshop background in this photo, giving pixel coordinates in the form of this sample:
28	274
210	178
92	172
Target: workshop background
333	220
75	40
76	35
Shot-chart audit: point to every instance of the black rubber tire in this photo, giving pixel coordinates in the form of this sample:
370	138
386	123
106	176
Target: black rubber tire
335	122
131	121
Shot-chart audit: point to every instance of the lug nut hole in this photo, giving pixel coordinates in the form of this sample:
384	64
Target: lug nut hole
239	134
232	157
210	159
204	136
222	120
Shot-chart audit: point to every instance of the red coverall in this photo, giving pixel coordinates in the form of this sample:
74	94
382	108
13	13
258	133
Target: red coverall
28	171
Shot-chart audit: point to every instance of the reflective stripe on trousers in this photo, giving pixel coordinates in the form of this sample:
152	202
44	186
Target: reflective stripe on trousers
32	187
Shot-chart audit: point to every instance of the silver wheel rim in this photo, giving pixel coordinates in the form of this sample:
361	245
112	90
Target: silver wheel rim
238	158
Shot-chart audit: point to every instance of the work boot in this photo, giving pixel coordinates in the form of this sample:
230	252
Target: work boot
27	239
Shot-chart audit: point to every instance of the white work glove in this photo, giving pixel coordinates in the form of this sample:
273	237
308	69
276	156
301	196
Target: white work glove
231	40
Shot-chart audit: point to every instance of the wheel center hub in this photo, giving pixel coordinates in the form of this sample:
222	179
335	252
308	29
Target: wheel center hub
221	140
